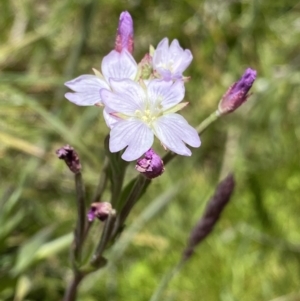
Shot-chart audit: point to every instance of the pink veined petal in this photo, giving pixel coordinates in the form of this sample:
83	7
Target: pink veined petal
110	120
170	62
131	89
119	65
87	90
161	54
175	52
185	61
181	58
132	133
140	143
163	44
186	132
173	130
170	139
120	103
119	135
169	93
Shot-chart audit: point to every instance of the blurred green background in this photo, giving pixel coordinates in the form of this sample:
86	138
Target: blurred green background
254	252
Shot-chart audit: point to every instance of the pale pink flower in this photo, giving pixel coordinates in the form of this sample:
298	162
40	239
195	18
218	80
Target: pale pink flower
171	61
145	110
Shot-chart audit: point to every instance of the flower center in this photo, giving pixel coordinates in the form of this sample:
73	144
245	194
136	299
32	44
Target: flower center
146	116
150	114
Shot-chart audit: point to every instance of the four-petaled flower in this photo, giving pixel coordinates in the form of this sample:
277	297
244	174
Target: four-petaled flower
144	110
170	62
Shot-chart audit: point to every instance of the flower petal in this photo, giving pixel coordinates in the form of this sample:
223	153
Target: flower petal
181	58
186	59
87	90
110	120
175	51
127	100
133	133
141	142
131	89
172	130
171	62
161	53
169	93
119	65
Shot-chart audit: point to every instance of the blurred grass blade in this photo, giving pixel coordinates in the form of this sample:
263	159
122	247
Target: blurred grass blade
55	246
10	223
29	38
28	252
148	213
22	145
22	288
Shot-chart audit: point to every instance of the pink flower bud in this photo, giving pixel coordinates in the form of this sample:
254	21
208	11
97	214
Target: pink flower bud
237	94
100	210
124	39
68	154
151	165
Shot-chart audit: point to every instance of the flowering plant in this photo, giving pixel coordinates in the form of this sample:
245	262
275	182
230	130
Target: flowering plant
140	101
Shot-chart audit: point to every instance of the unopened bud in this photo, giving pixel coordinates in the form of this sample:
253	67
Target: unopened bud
71	158
99	210
151	165
124	39
237	94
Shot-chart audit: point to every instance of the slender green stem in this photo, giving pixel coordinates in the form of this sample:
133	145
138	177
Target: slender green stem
71	291
106	234
86	231
81	219
117	184
102	181
116	171
140	183
207	122
133	196
166	280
